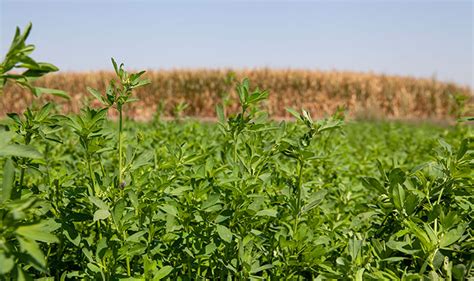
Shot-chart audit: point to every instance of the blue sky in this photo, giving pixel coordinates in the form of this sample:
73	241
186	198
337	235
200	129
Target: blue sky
420	38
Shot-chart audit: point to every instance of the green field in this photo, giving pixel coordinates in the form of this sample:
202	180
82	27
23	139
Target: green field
189	207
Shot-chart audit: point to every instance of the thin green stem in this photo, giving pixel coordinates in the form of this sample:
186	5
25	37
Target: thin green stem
120	145
23	169
188	260
300	182
127	259
235	149
91	174
128	266
98	230
93	189
22	176
298	195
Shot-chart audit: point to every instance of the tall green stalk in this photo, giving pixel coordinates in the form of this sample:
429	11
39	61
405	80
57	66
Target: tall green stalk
299	188
23	169
120	177
91	174
120	171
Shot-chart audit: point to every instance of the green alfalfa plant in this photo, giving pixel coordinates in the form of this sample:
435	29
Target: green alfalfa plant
21	218
19	212
424	212
117	95
246	120
22	227
300	150
34	123
89	127
241	132
18	58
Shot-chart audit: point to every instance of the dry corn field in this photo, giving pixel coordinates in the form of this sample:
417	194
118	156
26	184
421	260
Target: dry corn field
364	95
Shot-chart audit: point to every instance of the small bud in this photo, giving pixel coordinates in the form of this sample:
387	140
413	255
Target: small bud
123	184
140	137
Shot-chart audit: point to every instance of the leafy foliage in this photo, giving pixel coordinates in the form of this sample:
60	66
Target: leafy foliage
18	57
247	198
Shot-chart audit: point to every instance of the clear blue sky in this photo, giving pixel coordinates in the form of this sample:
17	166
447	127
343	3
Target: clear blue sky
422	38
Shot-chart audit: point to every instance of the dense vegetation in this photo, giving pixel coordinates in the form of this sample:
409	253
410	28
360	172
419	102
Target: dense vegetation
246	198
